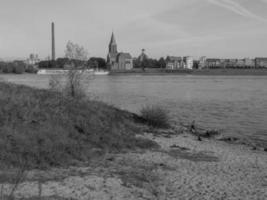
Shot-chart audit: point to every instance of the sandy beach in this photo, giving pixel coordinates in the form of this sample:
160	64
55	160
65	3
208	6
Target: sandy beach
183	168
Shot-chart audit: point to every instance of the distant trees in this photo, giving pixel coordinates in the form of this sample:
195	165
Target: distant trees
61	62
162	63
97	62
17	67
149	63
76	56
45	64
93	62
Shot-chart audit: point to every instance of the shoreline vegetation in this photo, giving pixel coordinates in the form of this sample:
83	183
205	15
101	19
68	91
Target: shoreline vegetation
55	146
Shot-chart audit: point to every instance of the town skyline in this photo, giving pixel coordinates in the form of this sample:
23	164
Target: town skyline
212	28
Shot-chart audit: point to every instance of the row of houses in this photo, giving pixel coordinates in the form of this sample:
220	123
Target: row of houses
232	63
173	62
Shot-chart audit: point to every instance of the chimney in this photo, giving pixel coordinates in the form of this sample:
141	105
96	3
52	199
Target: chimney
53	42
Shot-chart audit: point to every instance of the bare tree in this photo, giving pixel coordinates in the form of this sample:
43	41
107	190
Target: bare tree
75	52
77	74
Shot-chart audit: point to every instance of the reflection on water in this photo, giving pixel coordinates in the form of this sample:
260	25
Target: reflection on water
235	104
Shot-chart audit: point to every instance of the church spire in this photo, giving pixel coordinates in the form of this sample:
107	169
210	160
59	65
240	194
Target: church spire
112	40
113	44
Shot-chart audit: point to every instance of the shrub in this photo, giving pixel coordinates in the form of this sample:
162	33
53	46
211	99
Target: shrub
18	69
8	68
155	116
31	69
72	84
2	66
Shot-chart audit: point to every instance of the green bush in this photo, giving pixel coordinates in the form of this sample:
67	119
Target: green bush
155	116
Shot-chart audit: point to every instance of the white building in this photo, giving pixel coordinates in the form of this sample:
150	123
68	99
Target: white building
189	62
33	59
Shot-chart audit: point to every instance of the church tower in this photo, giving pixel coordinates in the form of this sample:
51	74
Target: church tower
113	45
115	60
112	52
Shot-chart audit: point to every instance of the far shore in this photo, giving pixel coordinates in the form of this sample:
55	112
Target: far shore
205	72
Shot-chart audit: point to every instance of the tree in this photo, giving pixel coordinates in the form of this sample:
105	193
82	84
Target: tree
45	64
61	62
18	67
97	62
136	63
76	75
162	63
75	52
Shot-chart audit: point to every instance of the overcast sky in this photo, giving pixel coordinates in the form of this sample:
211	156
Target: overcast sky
214	28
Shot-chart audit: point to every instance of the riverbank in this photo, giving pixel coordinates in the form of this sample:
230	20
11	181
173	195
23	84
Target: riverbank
203	72
84	149
183	168
43	128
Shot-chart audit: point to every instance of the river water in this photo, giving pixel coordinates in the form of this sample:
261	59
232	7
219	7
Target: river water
237	105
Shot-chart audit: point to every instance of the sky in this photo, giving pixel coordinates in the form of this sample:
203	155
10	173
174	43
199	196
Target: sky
212	28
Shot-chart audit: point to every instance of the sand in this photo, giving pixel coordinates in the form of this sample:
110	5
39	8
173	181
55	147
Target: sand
183	168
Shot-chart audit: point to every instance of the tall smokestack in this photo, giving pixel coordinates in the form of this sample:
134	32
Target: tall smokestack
53	42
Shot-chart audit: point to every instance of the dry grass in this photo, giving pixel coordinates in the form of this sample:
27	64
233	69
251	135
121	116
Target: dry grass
46	128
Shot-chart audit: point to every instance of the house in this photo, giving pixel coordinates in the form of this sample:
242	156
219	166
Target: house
261	62
124	61
245	63
188	62
213	63
116	60
249	62
173	62
202	62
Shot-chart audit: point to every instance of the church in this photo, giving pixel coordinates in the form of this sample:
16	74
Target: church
116	60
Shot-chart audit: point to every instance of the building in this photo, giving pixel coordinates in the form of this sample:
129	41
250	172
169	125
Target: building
173	62
261	62
249	63
188	62
212	63
202	62
53	50
124	61
244	63
118	61
33	59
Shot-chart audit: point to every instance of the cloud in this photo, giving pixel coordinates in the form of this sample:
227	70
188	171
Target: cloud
238	9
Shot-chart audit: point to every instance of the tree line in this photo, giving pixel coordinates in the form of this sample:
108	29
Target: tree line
100	63
17	67
93	62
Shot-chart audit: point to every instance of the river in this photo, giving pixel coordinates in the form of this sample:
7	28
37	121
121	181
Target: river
237	105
